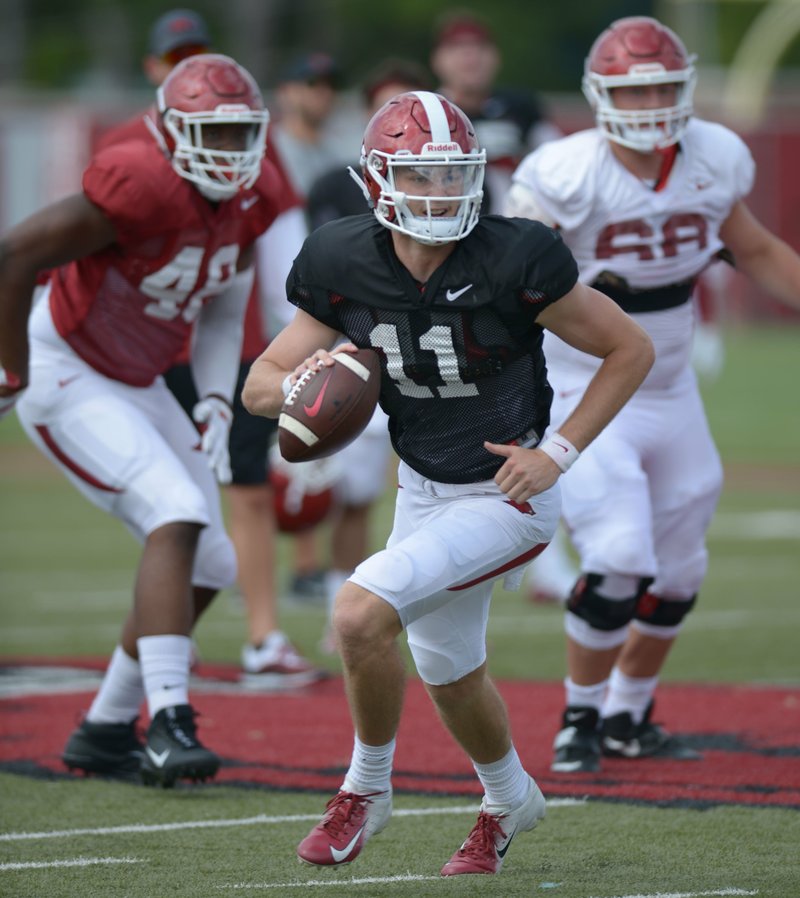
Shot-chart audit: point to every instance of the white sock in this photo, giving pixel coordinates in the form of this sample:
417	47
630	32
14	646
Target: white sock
370	768
334	581
631	694
165	670
585	696
505	782
121	693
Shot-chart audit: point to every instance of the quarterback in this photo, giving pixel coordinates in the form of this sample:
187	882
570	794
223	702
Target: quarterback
646	201
157	245
455	306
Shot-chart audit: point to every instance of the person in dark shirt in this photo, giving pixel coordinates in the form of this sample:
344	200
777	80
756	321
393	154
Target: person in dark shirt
455	304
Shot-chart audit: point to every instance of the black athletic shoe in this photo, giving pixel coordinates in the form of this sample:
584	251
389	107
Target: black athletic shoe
112	749
172	750
577	745
622	738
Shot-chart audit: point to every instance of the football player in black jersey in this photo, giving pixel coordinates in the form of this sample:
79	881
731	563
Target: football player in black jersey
455	306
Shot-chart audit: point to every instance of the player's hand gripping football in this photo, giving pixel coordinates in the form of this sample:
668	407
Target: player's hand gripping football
525	472
214	417
10	390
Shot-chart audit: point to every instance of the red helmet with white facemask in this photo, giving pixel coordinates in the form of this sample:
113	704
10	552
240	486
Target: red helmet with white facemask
633	52
423	134
200	93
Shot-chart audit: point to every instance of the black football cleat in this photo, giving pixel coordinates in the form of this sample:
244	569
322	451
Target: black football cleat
173	752
620	737
577	744
110	749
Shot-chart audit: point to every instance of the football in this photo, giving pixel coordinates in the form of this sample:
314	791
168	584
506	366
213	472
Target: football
329	407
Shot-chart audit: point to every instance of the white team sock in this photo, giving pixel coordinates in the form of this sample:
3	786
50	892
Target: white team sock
370	768
505	782
631	694
165	670
585	696
121	693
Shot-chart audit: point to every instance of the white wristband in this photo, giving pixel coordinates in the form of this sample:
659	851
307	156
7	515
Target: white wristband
559	448
286	386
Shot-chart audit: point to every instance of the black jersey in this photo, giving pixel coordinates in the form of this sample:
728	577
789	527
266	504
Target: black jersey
462	357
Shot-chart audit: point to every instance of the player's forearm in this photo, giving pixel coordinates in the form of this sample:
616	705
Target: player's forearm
617	379
263	392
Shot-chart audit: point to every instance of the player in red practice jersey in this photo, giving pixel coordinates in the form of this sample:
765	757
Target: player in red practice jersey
157	245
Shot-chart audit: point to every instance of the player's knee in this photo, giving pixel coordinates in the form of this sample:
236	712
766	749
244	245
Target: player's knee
363	622
660	616
437	667
591	603
215	561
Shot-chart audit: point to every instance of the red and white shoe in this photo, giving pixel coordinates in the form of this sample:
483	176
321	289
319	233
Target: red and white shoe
485	847
349	821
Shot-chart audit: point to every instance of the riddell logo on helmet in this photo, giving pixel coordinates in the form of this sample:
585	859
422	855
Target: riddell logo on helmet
441	148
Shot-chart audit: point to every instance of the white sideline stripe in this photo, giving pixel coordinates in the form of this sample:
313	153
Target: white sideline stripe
73	862
353	364
364	881
716	892
299	430
258	820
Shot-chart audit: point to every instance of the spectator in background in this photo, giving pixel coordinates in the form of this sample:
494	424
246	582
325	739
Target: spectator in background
509	122
364	463
305	98
269	660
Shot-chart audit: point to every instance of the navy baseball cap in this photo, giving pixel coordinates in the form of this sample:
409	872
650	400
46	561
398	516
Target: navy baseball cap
178	28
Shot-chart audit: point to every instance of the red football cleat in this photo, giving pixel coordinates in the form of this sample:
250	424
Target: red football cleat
348	822
485	847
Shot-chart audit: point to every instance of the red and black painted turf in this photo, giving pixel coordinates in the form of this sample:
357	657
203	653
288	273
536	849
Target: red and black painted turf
749	735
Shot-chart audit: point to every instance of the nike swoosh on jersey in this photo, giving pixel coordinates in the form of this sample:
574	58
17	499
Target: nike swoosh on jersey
313	410
248	202
159	759
68	380
340	854
452	295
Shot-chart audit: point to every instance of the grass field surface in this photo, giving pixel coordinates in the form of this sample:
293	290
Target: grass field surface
65	577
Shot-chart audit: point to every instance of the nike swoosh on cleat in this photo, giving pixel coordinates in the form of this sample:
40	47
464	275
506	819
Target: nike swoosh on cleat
159	759
313	410
453	295
501	852
340	854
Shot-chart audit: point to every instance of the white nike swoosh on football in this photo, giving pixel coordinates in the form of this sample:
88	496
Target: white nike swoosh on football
159	759
339	854
452	295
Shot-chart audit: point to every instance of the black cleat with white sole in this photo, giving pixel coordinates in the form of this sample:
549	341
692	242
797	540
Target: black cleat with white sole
577	744
172	751
622	738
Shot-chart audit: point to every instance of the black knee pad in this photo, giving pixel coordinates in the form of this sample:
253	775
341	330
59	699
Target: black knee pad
599	611
662	612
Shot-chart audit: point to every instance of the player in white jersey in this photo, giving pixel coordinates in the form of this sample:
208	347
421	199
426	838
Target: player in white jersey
645	201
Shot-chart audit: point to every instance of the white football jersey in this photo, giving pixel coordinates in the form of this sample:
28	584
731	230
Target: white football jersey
614	222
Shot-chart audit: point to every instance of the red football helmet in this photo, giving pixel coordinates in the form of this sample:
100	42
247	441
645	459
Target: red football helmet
639	51
303	492
209	90
424	137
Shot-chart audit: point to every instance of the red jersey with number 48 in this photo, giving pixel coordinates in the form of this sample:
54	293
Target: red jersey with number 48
128	309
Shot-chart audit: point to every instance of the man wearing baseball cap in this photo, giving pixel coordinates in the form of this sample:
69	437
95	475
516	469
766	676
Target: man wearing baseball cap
174	36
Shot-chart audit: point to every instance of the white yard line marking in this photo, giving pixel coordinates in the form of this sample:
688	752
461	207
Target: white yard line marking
258	820
73	862
717	892
364	881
